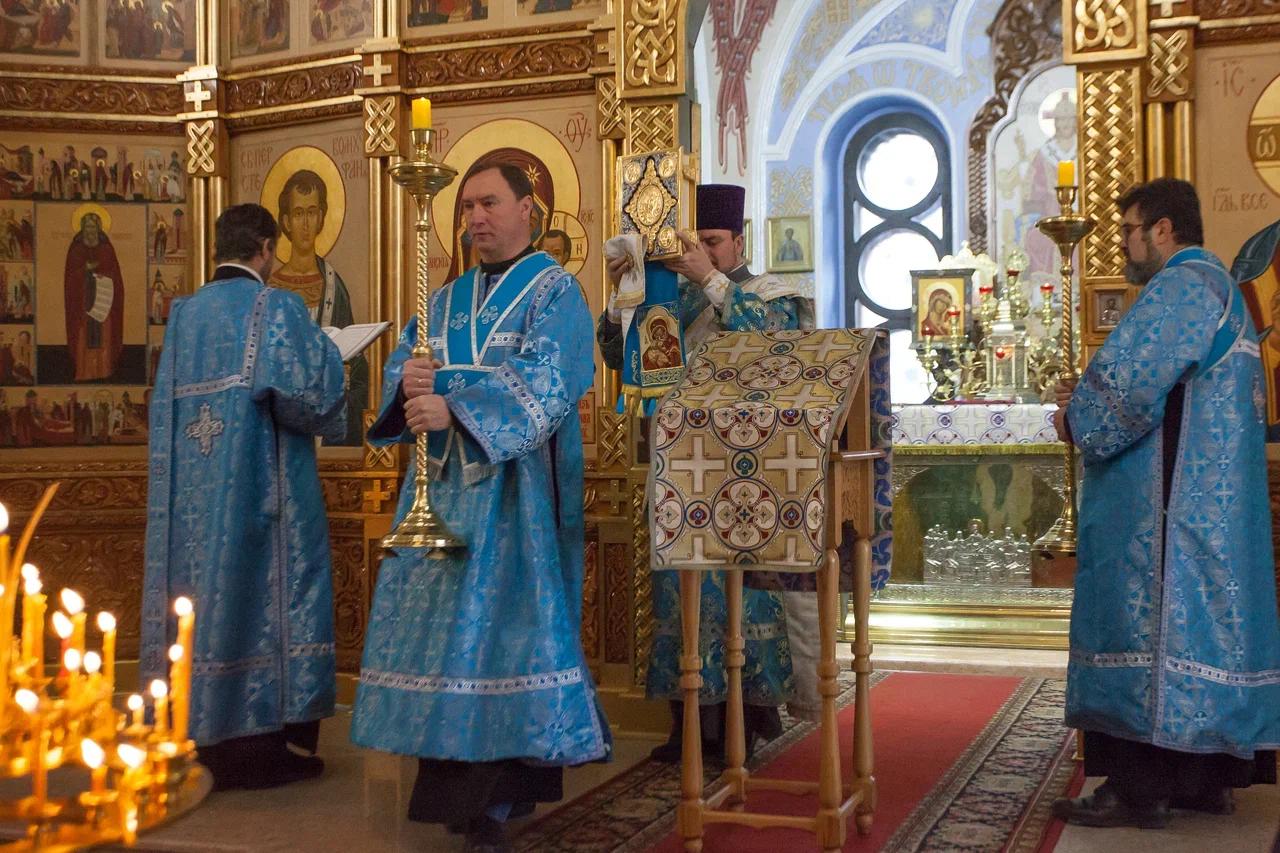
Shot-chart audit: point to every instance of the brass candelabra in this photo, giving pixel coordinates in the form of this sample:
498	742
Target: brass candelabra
139	775
1066	230
422	177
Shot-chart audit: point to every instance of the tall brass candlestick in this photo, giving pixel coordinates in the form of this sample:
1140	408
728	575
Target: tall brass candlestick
422	177
1066	229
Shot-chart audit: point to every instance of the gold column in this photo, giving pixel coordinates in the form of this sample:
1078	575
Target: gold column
651	91
1155	141
1121	141
1184	140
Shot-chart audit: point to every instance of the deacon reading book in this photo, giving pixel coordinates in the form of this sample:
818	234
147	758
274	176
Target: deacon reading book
355	339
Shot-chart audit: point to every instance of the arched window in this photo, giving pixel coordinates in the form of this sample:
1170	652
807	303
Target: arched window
897	218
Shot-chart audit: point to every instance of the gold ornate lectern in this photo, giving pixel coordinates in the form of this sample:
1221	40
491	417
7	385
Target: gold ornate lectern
763	455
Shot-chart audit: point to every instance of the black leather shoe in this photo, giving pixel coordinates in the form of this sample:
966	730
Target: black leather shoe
1104	807
486	835
1211	801
519	810
282	771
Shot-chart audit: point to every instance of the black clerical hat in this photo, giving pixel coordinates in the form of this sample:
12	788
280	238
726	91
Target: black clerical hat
720	207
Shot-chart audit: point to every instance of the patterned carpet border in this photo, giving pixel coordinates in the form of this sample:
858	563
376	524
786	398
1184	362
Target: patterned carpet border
1010	771
995	797
636	809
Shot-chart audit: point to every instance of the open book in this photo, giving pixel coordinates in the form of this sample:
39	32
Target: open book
355	339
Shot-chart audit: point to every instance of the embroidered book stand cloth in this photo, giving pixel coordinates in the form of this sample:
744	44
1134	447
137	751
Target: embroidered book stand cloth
771	447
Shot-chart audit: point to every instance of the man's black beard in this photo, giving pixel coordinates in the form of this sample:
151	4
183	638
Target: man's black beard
1139	272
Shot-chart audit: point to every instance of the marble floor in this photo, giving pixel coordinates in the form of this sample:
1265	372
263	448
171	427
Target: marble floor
357	805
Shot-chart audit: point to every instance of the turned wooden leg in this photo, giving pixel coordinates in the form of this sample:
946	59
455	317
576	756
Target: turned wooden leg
735	729
831	829
862	755
689	815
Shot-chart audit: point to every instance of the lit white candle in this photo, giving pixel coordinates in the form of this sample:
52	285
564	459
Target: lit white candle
107	625
160	694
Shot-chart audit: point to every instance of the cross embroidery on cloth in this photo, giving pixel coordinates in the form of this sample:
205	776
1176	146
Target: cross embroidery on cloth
204	429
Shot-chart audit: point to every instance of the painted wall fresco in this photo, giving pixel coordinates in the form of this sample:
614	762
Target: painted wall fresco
149	30
94	246
42	28
318	193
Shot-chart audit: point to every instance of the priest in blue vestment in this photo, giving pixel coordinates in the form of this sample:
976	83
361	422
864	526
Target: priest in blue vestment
473	660
718	293
1174	671
235	515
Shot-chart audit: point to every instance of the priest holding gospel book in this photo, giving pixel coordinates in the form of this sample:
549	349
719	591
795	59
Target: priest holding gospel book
235	516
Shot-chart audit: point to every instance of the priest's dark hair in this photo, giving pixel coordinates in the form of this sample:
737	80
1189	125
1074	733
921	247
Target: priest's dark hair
240	230
513	175
1168	198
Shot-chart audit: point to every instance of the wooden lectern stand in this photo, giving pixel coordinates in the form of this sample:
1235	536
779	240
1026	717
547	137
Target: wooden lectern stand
793	422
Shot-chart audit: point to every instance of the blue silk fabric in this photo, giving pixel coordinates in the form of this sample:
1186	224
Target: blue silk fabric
476	656
235	516
1174	633
641	389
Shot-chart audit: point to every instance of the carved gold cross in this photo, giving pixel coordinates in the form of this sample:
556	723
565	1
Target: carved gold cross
198	95
1166	7
378	69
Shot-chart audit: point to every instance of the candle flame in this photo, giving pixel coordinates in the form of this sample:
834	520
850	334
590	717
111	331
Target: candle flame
175	652
159	689
32	586
72	660
53	757
61	624
183	606
29	571
130	754
27	700
4	519
106	622
92	754
135	702
72	601
92	662
168	747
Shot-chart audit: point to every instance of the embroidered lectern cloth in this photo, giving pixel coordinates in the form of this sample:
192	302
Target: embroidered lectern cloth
741	449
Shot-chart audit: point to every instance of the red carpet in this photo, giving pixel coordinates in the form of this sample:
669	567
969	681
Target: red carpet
963	762
923	723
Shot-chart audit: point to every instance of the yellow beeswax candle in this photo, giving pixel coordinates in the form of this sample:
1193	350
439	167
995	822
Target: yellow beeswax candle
421	113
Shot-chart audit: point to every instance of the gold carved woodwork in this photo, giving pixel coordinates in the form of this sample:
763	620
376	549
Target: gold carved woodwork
570	54
1231	9
379	69
1231	21
202	147
591	595
380	114
347	546
609	108
1020	44
612	445
642	586
651	127
1104	30
1110	158
652	48
296	87
1169	67
160	98
618	616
